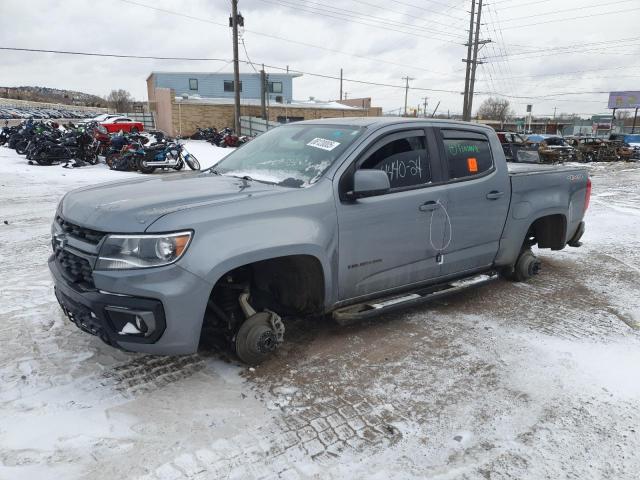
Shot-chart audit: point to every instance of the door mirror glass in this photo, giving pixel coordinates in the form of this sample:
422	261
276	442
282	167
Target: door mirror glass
367	183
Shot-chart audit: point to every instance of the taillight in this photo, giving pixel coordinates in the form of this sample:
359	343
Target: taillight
587	197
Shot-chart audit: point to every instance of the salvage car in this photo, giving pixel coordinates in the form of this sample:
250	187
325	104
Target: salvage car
590	149
554	149
124	124
344	217
516	148
630	141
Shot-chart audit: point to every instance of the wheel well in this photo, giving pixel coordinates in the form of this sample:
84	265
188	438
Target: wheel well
290	285
548	232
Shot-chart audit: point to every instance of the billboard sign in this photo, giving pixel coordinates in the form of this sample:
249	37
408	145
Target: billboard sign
624	100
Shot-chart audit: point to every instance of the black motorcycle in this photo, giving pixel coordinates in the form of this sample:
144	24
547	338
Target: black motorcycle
204	134
75	148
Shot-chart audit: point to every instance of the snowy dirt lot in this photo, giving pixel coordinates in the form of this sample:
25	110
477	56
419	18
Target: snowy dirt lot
521	381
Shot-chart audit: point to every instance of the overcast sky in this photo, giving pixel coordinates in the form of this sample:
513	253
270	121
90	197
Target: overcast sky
377	41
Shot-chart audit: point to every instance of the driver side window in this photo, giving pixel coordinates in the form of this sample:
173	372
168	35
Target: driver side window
405	161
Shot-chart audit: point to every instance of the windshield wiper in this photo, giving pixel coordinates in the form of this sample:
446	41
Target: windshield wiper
247	178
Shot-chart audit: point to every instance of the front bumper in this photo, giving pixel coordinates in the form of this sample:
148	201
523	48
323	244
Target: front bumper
170	301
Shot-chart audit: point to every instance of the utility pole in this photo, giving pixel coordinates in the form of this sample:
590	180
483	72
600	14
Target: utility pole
426	102
340	97
468	62
472	59
476	43
406	93
236	66
435	110
263	93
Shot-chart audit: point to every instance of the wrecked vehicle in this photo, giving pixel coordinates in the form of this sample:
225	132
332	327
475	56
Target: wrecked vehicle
347	217
555	149
516	148
629	144
592	149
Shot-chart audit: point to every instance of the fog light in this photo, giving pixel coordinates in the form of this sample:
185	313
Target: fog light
131	322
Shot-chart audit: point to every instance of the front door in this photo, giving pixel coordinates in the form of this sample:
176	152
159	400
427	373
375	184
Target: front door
384	240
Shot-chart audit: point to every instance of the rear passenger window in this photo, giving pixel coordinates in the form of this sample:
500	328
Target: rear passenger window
405	161
468	157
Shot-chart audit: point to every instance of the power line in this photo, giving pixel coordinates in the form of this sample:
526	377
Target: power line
512	6
340	11
341	17
535	49
566	19
114	55
553	74
386	9
594	51
244	47
274	67
570	49
150	57
553	12
288	40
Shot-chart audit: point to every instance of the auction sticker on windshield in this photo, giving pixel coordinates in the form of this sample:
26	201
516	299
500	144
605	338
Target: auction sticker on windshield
323	143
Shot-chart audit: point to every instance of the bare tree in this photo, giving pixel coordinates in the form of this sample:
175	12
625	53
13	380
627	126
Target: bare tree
120	100
495	109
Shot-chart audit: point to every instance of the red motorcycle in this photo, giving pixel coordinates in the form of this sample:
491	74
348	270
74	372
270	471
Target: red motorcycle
226	138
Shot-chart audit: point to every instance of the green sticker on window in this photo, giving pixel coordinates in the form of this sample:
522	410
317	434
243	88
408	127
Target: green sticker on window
461	149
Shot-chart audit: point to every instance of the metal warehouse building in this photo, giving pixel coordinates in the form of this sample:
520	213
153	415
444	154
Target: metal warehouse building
220	85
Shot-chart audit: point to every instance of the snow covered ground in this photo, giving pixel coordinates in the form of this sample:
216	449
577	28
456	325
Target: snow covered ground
527	381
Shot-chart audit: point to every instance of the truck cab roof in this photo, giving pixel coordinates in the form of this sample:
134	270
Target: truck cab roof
379	122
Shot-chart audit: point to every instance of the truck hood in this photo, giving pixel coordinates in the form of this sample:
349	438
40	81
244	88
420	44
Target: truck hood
131	206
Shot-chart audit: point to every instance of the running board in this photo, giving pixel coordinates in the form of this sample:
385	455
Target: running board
361	311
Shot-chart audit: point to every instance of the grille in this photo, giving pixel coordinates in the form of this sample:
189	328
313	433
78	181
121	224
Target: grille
91	236
76	269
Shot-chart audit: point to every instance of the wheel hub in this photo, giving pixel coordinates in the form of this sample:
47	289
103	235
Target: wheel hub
266	342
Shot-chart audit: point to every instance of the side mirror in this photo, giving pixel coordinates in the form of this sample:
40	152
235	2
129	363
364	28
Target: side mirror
367	183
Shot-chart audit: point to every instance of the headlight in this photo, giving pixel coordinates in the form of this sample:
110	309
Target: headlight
123	252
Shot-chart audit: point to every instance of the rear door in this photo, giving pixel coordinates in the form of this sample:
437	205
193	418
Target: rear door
478	193
384	240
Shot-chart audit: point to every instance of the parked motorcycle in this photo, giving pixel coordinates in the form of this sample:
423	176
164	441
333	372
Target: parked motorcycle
7	132
226	138
170	155
123	151
204	133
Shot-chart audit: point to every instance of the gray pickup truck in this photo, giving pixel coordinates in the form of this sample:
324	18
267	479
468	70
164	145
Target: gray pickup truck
348	217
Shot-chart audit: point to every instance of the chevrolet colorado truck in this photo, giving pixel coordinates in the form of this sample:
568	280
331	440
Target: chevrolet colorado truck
347	217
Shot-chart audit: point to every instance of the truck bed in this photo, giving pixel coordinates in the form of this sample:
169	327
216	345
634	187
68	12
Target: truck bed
534	168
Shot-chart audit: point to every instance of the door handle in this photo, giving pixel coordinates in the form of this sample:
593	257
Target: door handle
494	195
428	206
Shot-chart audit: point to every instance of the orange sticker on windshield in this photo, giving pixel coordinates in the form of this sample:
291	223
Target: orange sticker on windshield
472	164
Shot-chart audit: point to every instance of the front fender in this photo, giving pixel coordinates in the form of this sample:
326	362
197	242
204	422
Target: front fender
230	236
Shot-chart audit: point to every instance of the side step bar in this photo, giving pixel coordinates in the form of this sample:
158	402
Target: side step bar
361	311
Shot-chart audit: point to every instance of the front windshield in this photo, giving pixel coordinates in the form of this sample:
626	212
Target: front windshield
632	138
291	155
